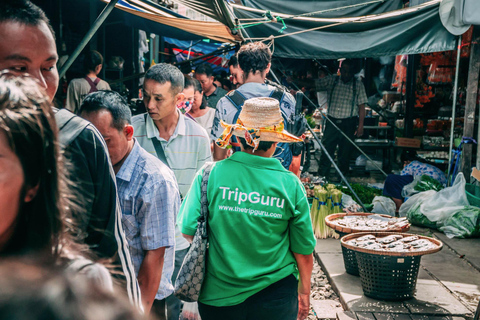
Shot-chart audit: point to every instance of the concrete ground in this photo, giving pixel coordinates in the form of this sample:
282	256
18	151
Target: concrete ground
448	282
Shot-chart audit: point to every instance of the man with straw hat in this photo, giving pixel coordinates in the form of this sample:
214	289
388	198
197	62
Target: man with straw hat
260	234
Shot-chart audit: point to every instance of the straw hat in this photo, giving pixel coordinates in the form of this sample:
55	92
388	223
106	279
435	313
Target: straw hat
259	120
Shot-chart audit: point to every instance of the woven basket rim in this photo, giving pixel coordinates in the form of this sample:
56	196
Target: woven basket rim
331	217
346	238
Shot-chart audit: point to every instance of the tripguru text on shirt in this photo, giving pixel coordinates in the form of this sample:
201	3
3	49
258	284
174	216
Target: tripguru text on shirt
252	197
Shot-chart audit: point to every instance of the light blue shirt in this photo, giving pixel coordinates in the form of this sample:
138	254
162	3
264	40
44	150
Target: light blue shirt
150	200
226	112
186	152
417	168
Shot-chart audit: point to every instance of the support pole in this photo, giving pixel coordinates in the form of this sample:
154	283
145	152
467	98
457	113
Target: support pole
471	102
335	126
409	108
454	105
93	29
324	150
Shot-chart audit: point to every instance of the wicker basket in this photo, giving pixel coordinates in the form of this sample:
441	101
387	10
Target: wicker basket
349	256
388	275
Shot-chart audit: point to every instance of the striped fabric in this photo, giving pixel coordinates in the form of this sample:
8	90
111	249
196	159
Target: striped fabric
186	151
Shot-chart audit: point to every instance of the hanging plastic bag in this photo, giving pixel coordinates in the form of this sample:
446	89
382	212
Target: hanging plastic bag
384	205
190	311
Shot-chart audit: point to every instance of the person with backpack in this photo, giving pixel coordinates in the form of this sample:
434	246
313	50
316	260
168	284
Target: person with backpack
79	88
346	108
255	60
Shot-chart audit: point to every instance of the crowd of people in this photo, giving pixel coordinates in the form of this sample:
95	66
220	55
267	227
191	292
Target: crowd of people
101	206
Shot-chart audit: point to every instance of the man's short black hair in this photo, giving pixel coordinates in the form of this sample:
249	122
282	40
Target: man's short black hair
205	69
262	146
163	73
92	60
253	57
24	12
233	62
111	101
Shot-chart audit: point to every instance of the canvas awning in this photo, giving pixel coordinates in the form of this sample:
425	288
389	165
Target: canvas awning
157	14
405	31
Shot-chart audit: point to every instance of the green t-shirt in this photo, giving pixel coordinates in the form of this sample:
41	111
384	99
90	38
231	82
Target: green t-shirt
258	216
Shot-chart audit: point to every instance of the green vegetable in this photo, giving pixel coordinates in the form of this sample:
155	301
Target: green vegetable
416	217
365	193
463	224
427	183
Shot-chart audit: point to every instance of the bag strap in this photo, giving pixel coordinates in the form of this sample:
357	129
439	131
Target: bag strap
69	126
204	200
335	81
237	99
278	94
158	148
93	84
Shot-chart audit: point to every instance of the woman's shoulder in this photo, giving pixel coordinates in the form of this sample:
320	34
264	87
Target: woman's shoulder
90	270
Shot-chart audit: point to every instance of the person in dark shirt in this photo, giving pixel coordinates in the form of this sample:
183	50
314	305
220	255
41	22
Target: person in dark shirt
27	45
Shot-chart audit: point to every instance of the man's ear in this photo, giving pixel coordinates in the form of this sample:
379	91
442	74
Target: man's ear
128	131
269	65
180	97
31	193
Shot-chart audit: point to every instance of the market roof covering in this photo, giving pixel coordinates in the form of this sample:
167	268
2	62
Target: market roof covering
332	29
152	12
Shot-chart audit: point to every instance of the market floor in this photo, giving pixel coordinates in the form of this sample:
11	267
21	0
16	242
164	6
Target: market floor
448	281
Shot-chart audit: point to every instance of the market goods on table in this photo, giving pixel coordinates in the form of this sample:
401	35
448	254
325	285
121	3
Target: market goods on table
365	193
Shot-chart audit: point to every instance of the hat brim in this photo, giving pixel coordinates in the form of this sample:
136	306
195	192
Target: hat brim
283	136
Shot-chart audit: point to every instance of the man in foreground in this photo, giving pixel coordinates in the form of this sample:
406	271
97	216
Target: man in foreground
252	270
27	45
148	195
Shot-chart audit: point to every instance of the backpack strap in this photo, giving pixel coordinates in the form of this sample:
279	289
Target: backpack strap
93	84
237	99
278	94
69	126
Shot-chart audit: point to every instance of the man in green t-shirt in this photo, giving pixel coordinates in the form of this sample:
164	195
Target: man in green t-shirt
260	233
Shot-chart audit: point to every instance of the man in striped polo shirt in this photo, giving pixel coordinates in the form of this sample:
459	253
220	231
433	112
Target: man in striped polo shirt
180	142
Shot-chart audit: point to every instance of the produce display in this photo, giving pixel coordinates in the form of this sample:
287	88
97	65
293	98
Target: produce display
327	200
393	243
370	223
365	193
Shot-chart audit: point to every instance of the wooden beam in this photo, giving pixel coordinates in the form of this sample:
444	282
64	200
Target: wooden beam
471	102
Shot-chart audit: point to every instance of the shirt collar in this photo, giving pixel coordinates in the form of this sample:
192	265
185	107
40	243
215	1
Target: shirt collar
126	171
257	161
152	130
214	93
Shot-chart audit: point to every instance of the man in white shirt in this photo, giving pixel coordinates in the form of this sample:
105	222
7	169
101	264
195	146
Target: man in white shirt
178	141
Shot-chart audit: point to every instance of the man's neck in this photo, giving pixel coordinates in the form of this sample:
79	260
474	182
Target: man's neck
118	166
211	91
92	74
166	126
258	77
259	153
